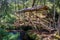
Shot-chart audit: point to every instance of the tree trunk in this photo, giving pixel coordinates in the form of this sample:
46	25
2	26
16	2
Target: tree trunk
33	2
59	24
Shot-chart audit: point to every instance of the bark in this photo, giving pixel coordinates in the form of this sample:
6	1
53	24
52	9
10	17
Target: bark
33	9
33	2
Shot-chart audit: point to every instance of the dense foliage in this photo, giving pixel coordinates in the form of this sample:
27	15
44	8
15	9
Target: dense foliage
8	17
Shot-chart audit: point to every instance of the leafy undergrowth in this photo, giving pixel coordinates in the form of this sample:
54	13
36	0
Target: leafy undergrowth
4	35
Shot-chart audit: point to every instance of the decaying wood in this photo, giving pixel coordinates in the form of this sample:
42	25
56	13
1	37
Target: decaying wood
36	18
43	35
37	22
37	8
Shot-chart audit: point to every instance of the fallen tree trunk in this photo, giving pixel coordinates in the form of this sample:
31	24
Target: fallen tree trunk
33	9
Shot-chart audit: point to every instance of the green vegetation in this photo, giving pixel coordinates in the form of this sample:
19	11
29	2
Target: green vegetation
8	17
